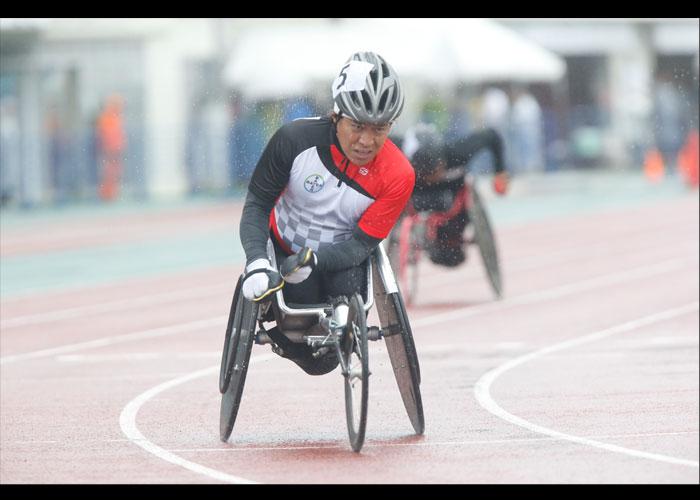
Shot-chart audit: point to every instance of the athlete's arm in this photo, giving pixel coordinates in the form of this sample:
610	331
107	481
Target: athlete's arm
253	230
460	152
269	179
254	235
376	222
346	254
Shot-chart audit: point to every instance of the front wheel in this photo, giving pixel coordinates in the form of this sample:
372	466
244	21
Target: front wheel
238	344
355	362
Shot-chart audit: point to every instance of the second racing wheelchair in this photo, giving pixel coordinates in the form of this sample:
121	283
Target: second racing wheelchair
415	231
341	328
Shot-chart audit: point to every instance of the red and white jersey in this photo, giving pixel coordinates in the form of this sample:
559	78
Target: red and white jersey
320	195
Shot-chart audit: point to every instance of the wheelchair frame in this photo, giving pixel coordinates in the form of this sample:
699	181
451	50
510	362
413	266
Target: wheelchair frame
407	241
324	327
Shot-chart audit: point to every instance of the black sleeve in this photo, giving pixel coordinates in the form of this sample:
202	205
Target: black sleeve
460	152
269	179
271	174
349	253
254	227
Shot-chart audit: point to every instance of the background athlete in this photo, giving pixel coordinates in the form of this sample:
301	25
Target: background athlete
440	168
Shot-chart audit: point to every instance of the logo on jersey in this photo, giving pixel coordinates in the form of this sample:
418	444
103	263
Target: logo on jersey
364	171
314	183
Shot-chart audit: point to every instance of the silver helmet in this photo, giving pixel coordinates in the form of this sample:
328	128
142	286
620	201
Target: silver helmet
376	98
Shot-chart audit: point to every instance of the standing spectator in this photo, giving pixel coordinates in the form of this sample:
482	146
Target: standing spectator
10	152
495	110
671	123
527	132
111	143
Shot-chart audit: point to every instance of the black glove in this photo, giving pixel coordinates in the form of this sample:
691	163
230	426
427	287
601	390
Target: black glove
296	268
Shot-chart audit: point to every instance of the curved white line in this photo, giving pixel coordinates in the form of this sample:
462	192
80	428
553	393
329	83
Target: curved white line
128	415
127	422
553	292
483	385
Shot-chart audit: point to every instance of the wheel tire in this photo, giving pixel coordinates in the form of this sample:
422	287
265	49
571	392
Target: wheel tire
355	356
484	238
238	344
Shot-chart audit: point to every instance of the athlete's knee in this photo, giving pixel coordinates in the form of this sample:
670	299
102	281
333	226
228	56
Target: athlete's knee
347	282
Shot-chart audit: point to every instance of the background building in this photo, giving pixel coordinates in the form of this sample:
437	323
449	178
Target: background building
185	125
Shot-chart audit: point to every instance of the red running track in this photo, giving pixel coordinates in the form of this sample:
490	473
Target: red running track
586	371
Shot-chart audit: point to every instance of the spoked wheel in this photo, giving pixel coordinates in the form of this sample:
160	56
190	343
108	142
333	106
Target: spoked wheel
483	236
354	352
238	344
398	338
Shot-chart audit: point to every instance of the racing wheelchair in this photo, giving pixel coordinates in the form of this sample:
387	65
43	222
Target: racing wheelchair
416	229
338	329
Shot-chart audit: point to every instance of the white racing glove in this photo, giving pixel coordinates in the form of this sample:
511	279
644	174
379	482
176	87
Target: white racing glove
261	280
296	268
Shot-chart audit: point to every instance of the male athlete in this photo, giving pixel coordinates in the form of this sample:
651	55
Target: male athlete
327	191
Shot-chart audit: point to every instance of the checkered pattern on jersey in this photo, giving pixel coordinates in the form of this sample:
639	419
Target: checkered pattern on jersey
316	229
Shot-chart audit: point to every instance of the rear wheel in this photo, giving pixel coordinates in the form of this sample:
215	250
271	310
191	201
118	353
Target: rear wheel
354	351
398	338
484	239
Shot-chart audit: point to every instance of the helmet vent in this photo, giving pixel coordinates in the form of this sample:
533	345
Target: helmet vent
383	100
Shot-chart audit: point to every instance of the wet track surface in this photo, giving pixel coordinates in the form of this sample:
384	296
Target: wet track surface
586	371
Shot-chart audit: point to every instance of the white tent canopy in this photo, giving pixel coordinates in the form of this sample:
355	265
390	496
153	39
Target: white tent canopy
278	62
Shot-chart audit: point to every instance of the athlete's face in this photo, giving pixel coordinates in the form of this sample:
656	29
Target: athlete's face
360	142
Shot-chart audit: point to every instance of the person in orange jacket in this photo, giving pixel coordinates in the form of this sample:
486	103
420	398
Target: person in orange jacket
112	143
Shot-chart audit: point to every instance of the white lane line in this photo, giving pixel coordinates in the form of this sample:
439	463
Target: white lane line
379	444
128	417
140	335
483	385
112	306
553	293
127	422
136	356
456	314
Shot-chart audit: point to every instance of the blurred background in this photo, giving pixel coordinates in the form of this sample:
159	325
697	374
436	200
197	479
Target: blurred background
104	110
